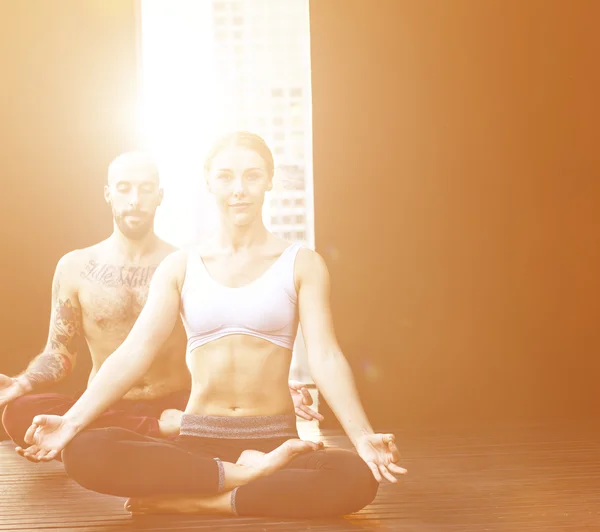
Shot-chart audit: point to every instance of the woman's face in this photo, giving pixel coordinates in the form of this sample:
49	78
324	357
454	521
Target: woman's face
239	178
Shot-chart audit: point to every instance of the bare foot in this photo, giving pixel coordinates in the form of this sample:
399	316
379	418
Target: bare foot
267	463
169	423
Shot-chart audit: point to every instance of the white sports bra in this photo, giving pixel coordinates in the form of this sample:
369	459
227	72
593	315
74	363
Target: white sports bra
266	308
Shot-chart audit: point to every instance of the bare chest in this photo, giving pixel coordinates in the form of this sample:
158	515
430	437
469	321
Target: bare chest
112	296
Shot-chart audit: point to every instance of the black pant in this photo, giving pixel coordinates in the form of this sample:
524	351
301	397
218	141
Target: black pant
138	416
324	483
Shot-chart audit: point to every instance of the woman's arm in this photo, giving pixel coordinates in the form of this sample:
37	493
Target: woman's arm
328	366
133	357
331	371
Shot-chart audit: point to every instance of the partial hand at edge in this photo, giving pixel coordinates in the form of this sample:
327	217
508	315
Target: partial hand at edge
10	389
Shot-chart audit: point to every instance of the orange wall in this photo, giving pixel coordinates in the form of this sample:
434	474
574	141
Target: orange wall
456	184
68	88
457	192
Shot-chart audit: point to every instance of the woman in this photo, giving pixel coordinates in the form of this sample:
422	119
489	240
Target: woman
241	295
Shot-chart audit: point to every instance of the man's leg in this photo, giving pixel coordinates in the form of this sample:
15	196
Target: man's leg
19	414
141	417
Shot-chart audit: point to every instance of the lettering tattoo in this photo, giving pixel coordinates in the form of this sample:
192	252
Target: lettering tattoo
114	276
65	335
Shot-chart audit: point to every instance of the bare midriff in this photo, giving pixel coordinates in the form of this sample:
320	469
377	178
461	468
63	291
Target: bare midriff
240	375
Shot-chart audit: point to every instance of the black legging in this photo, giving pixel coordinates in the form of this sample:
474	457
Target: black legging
324	483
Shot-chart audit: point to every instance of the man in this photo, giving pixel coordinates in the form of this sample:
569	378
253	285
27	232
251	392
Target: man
97	294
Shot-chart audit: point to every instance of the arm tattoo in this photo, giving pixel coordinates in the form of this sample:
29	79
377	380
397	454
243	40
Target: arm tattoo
66	329
48	368
65	335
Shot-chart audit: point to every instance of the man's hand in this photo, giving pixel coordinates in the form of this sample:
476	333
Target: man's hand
47	436
302	401
11	389
380	453
169	423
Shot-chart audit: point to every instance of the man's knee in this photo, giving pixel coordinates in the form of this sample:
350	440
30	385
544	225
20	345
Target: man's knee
17	418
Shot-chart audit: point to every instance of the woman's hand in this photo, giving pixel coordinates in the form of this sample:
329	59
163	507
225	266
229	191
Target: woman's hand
47	436
380	453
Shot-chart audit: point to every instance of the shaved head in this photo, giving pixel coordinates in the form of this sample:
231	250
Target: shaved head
132	163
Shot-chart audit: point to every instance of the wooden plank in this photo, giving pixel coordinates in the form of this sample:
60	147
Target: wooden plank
504	477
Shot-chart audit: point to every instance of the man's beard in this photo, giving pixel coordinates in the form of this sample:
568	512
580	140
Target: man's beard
138	232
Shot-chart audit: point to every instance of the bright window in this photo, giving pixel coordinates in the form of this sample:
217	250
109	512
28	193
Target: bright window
212	66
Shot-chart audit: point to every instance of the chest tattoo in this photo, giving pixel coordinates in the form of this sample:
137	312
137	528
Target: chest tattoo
111	275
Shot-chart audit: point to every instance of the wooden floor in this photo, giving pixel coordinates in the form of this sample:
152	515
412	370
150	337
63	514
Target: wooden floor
508	478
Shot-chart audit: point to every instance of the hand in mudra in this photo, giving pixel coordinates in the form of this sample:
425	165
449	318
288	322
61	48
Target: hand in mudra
302	401
380	453
47	436
10	389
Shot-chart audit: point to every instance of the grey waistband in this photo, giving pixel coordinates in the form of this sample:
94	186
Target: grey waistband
246	427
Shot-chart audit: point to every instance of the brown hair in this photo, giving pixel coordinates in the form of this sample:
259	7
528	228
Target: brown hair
244	139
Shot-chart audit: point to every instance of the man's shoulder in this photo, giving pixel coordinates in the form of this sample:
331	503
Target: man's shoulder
71	264
71	260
